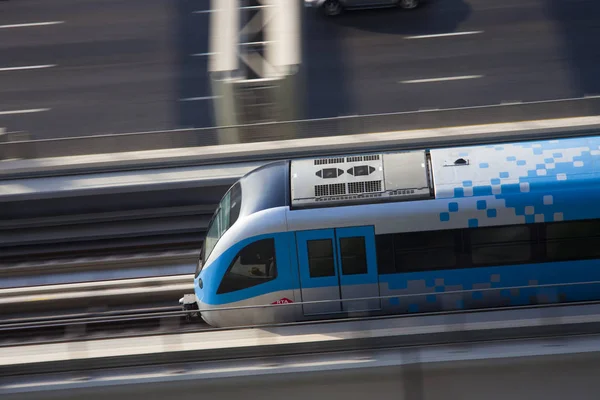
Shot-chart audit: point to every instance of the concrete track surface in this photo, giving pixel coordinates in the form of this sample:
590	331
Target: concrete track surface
557	378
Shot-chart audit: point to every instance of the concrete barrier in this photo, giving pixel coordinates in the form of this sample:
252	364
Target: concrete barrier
392	358
356	138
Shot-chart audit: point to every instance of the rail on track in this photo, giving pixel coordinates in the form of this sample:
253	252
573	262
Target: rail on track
170	320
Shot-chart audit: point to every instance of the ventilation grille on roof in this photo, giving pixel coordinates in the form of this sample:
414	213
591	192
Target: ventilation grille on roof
324	161
359	179
334	189
373	157
364	187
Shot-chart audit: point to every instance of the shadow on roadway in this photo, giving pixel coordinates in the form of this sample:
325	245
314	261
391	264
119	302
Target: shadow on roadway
579	23
323	67
191	77
327	65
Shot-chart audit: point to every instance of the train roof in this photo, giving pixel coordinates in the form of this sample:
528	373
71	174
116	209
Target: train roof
444	173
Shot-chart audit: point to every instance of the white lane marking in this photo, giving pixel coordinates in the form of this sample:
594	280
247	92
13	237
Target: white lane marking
203	11
199	98
255	7
202	54
32	110
447	78
436	35
31	24
26	67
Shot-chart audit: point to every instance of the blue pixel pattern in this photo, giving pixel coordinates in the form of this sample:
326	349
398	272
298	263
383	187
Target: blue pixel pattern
520	182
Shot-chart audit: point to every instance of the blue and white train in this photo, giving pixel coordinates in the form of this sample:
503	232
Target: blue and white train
397	230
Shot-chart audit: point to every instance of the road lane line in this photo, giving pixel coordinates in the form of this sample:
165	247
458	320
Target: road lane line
447	78
32	110
4	69
202	54
199	98
436	35
31	24
204	11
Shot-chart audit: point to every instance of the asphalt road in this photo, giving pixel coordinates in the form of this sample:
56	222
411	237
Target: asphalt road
114	66
509	51
117	66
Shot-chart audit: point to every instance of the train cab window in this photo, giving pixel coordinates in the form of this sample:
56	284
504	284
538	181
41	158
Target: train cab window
422	251
234	203
199	263
253	265
501	245
354	255
227	212
573	240
320	258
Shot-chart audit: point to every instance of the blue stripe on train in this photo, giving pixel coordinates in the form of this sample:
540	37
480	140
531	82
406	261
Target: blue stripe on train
481	280
429	282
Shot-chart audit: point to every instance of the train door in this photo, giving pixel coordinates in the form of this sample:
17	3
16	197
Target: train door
335	265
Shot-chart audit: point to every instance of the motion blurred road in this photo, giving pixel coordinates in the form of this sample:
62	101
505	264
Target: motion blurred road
81	67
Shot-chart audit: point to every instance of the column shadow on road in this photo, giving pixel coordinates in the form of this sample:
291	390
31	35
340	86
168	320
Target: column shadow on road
579	24
192	80
327	63
323	67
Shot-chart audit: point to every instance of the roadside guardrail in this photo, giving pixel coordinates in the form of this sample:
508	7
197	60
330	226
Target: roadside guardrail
303	129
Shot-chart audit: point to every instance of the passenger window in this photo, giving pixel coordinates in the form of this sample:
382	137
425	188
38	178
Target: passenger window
574	240
320	258
385	254
501	245
254	264
423	251
354	255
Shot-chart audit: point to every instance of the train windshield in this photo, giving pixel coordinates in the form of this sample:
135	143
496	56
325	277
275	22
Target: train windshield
225	215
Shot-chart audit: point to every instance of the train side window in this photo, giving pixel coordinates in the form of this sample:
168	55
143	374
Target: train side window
253	265
501	245
235	203
573	240
384	246
320	258
354	255
423	251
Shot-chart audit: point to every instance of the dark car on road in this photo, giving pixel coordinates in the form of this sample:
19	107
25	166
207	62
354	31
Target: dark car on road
335	7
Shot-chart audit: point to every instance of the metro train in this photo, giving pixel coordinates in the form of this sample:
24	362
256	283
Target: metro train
399	232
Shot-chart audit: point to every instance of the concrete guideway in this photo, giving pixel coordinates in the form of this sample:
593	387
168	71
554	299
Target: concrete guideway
371	360
127	181
227	163
535	370
33	293
300	339
55	271
89	294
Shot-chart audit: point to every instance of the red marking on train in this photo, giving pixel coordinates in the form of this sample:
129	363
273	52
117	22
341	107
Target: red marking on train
285	300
